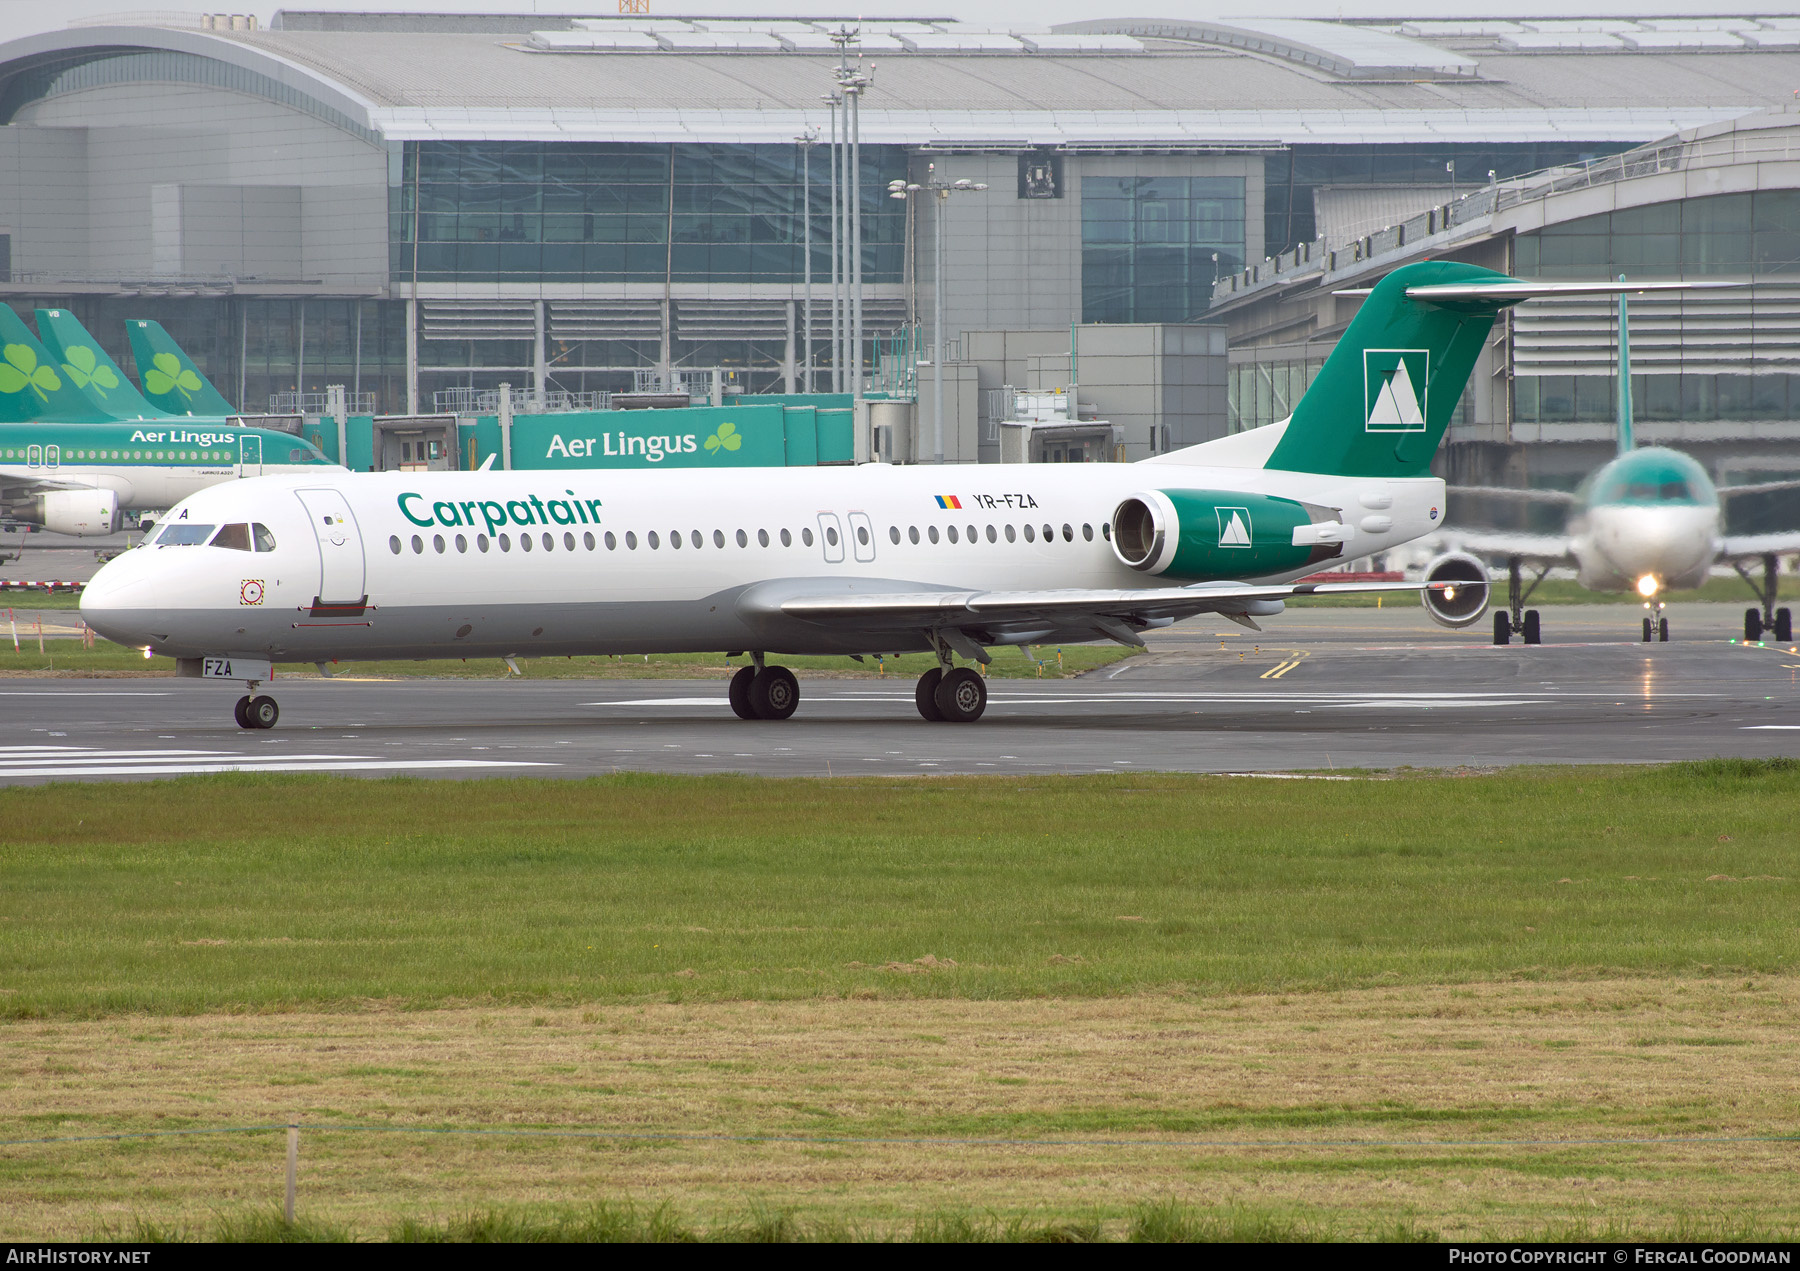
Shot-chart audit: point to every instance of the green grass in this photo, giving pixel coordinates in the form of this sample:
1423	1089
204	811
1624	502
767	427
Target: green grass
267	891
33	598
1044	662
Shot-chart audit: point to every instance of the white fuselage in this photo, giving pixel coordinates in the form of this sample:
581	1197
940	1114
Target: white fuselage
418	565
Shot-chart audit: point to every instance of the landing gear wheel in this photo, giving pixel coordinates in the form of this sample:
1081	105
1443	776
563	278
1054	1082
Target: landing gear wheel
262	712
1533	633
1753	626
1662	630
774	693
925	694
241	712
1647	631
961	696
1502	628
1784	626
739	693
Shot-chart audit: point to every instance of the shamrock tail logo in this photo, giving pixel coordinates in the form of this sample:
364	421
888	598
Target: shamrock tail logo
727	438
84	370
167	375
20	369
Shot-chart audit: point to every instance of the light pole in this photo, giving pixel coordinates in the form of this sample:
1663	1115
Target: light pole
837	309
943	190
806	141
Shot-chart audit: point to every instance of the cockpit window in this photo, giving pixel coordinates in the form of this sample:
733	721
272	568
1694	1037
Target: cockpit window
181	534
265	541
235	537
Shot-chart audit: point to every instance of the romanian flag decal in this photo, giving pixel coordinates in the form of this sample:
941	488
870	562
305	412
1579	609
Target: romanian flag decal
949	501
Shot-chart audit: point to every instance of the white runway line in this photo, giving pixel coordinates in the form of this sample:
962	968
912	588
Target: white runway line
77	761
1770	728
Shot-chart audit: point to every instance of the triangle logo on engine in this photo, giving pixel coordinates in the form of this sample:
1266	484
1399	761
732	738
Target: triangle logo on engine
1234	526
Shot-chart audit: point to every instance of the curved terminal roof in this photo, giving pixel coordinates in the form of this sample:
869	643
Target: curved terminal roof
1116	83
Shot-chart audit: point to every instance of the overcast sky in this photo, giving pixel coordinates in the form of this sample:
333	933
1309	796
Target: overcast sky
24	17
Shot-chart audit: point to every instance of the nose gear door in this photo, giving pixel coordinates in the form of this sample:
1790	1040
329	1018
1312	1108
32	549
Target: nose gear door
341	564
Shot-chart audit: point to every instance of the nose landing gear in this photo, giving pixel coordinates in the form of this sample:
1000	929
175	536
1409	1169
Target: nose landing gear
256	712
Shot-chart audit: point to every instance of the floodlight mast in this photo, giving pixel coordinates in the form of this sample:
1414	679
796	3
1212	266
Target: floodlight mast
943	190
806	141
853	82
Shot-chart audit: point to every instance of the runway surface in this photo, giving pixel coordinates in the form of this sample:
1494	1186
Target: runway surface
1319	690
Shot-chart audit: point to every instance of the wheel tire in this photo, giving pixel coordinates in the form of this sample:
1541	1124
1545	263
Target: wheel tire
1647	631
1662	630
1533	631
1753	627
961	696
925	694
774	693
263	712
1502	627
241	712
1784	626
739	693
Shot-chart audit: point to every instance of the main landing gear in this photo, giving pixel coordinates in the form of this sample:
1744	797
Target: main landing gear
1516	619
764	692
950	694
256	712
1778	623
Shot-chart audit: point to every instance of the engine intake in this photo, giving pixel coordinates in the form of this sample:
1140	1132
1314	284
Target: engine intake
83	513
1462	605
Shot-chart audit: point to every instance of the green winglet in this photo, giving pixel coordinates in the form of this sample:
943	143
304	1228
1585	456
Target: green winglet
85	365
1380	404
32	385
168	376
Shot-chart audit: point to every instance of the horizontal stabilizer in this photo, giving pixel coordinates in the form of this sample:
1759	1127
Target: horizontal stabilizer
1513	290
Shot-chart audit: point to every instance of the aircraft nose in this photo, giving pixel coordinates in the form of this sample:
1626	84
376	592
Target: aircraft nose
117	602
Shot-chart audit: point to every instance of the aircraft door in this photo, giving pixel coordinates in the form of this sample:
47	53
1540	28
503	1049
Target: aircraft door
831	537
52	456
341	580
862	536
34	456
250	456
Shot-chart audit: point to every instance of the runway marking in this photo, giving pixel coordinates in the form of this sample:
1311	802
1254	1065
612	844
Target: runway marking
75	692
72	761
1276	672
1771	728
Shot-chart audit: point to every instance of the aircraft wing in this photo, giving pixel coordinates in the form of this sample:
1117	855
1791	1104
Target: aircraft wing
17	481
990	616
1541	547
1739	546
1518	495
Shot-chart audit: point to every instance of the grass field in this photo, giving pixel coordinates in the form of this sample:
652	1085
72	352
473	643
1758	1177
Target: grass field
1208	1006
68	658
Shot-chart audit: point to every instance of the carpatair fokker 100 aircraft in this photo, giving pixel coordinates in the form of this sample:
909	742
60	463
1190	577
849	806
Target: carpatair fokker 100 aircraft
80	448
872	559
1648	521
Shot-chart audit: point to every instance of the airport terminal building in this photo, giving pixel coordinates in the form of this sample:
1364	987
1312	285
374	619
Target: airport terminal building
417	206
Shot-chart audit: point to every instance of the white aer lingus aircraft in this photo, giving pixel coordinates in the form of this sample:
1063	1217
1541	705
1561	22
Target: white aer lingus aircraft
864	560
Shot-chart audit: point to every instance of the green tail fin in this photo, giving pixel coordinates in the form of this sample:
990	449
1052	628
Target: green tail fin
1380	404
168	376
32	384
85	365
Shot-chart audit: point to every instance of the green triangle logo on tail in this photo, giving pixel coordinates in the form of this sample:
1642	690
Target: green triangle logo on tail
169	377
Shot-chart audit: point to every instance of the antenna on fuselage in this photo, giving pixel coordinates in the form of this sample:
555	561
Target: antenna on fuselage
1626	441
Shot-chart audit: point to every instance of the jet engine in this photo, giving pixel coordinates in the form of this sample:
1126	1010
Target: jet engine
84	513
1463	604
1203	534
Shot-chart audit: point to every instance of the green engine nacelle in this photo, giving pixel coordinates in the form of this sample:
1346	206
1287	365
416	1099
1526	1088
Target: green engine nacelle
1207	534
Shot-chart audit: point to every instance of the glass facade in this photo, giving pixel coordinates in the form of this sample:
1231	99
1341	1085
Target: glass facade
1148	245
1291	176
1563	399
1723	234
581	212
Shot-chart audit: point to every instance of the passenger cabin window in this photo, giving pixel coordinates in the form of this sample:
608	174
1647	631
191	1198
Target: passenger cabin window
181	534
234	537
